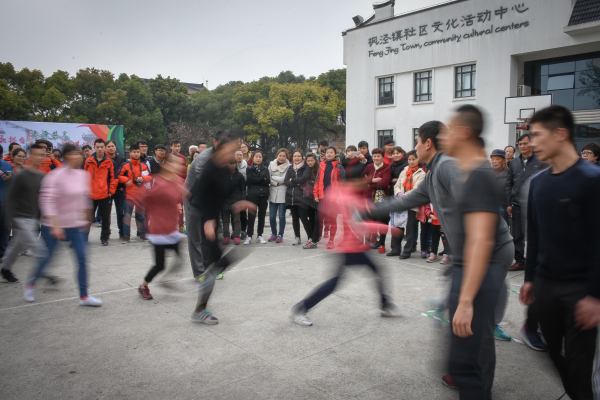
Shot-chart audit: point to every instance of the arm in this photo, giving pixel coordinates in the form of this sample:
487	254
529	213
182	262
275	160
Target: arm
124	175
57	163
302	179
113	179
342	173
288	181
415	198
276	180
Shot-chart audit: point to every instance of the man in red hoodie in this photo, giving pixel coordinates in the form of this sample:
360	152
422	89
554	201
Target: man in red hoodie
135	175
175	151
104	185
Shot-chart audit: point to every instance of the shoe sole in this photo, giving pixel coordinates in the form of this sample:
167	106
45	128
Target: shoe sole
501	339
144	298
448	386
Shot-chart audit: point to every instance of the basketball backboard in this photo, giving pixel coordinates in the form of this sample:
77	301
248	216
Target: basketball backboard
524	106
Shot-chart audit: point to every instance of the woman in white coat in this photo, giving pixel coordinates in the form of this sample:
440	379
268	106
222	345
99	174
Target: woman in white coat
277	169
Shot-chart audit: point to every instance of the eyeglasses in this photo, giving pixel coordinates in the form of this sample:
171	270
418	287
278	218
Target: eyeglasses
587	153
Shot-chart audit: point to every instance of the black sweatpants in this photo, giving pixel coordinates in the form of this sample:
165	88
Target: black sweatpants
518	229
262	203
105	206
313	219
411	231
436	234
555	306
301	214
159	259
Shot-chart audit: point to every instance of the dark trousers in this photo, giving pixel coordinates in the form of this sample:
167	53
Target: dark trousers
411	231
445	242
301	214
518	225
313	220
425	234
118	199
4	232
472	361
262	203
159	259
213	254
397	242
555	305
383	230
329	221
104	206
326	288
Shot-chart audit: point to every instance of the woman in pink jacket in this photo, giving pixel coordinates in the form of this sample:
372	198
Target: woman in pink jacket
66	207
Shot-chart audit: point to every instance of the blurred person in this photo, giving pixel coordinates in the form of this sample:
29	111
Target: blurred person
277	170
18	158
378	177
58	156
410	179
11	147
331	174
346	199
159	159
246	153
242	167
322	147
119	197
143	145
562	274
176	152
134	175
591	153
49	163
521	169
388	148
296	177
400	161
498	158
103	185
66	210
258	181
436	233
163	206
6	173
214	180
510	154
238	193
202	146
364	156
308	188
22	210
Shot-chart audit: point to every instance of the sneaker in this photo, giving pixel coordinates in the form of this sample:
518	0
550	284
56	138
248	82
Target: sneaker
90	301
432	258
225	240
144	293
310	245
381	250
390	309
445	259
423	254
28	292
9	276
279	239
447	381
248	240
97	224
243	235
125	240
533	339
261	240
330	245
205	317
500	334
219	277
143	237
272	238
104	242
200	278
236	241
298	316
296	242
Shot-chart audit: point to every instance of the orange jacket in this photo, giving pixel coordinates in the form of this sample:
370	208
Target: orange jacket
8	160
337	175
47	165
134	169
102	177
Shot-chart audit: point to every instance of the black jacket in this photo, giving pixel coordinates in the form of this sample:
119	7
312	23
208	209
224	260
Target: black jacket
293	194
239	192
516	177
118	162
211	190
258	181
397	168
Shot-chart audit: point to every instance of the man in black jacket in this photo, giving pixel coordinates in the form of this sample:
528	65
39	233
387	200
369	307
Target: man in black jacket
119	196
521	169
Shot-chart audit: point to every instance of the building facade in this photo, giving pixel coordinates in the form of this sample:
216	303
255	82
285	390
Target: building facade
405	70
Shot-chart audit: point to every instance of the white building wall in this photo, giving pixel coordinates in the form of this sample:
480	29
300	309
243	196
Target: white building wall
499	57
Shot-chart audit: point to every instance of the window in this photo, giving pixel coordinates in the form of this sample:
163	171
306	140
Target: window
382	135
465	81
423	86
386	90
415	135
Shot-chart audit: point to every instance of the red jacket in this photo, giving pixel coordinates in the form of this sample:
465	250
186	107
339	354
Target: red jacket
384	172
388	160
162	206
184	171
47	165
134	169
102	177
337	175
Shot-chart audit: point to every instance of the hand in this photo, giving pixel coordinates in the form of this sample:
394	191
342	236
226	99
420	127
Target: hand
180	208
57	232
5	176
361	157
587	313
377	180
348	155
317	199
526	295
129	183
242	205
209	229
433	217
51	156
461	323
509	210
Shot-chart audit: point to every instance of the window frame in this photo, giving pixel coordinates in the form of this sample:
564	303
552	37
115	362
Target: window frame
379	136
380	84
470	73
430	83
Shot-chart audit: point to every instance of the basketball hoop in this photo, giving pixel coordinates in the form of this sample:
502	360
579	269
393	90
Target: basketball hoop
523	124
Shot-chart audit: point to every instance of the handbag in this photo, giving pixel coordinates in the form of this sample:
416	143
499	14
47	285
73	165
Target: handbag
398	219
379	195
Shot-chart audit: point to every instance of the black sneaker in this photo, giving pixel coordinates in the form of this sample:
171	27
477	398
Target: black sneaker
9	276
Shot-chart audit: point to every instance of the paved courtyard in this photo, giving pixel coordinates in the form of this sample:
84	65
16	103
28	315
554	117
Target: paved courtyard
135	349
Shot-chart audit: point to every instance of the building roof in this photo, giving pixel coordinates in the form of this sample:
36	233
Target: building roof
585	11
194	87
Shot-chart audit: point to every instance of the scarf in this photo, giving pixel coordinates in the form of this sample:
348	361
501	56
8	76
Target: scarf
298	166
408	182
499	172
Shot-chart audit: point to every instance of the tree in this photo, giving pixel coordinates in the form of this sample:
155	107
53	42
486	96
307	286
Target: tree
590	79
171	98
88	86
190	134
12	106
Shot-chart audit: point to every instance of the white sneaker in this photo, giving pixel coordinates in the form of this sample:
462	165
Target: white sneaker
28	292
298	316
248	240
296	242
90	301
261	240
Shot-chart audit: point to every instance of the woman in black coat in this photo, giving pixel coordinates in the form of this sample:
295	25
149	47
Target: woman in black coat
258	181
296	177
400	162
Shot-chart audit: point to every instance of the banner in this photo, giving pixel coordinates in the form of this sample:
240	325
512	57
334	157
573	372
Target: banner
26	133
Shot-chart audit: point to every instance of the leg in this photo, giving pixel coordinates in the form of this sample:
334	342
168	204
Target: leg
251	218
411	232
262	213
244	220
501	304
397	243
118	200
159	263
281	212
226	215
43	261
74	236
127	211
105	206
363	258
313	217
295	221
303	215
424	235
194	238
323	290
236	225
435	238
140	219
22	238
382	236
519	234
273	218
332	223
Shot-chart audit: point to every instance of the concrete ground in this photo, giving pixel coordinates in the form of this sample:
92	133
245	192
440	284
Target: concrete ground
135	349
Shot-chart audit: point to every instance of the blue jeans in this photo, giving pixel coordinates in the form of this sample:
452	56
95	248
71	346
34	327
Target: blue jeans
140	218
273	211
76	237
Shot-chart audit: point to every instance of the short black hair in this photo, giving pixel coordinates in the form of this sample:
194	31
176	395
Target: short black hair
111	141
175	141
141	141
87	146
134	147
430	131
471	117
202	142
12	145
554	117
388	140
160	146
332	148
512	147
223	136
324	143
99	140
363	143
399	150
68	148
37	146
412	153
41	141
49	144
351	148
524	136
594	148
